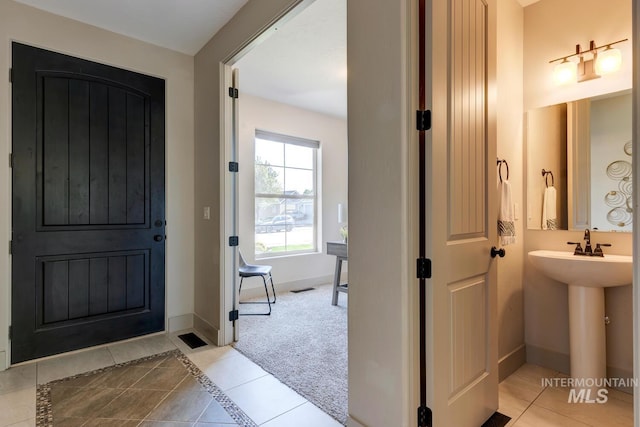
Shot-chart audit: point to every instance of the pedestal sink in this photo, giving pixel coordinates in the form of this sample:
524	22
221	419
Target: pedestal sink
586	276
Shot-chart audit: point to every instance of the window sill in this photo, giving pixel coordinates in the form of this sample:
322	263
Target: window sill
285	255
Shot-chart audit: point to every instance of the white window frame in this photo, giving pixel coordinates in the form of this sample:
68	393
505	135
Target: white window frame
302	142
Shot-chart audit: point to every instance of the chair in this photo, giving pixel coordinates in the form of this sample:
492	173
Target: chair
253	270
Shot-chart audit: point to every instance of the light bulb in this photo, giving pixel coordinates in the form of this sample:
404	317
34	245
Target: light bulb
565	72
608	61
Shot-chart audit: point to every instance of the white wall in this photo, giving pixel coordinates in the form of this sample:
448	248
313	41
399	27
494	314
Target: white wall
31	26
552	30
548	34
331	132
382	237
509	124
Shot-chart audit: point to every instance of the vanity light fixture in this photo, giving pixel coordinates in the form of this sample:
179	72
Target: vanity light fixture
565	72
592	63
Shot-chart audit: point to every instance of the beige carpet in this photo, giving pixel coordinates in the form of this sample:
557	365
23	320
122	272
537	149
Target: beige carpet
303	344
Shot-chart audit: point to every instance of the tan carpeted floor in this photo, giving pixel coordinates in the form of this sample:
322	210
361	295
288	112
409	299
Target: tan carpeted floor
303	344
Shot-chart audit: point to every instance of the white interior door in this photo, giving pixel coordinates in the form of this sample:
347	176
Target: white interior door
462	348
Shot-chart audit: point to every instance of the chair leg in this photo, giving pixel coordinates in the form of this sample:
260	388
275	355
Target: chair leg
266	291
268	301
273	289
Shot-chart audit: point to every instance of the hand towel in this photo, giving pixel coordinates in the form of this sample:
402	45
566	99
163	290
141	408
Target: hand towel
506	226
549	220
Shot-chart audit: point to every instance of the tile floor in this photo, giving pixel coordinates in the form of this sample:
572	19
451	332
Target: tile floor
270	403
263	398
529	404
160	389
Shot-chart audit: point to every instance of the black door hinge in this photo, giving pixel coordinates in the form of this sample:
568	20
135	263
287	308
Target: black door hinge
10	247
233	92
11	160
10	75
10	332
234	315
423	268
425	417
423	119
233	241
234	166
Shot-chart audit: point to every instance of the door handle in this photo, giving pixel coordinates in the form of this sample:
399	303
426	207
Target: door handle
157	238
497	252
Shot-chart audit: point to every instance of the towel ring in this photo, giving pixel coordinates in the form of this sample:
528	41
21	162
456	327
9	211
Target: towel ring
500	163
546	175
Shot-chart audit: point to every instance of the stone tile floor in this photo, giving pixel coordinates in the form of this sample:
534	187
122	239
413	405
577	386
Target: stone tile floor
264	399
118	397
525	399
161	389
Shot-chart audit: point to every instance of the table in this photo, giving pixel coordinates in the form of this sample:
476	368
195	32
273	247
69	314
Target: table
339	249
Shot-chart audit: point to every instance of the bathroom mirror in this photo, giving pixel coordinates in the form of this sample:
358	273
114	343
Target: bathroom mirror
582	149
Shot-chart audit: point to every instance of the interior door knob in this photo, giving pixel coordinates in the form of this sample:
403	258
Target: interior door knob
497	252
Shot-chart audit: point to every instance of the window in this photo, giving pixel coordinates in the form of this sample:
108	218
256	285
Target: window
285	194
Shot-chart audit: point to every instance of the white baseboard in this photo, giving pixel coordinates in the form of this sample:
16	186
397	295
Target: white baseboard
257	290
510	363
206	329
180	323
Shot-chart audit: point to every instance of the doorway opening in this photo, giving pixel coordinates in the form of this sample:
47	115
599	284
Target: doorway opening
288	198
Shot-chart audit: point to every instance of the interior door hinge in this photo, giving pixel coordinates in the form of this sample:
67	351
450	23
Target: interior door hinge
10	247
233	92
234	166
423	270
425	417
234	315
234	241
423	119
11	160
10	75
10	332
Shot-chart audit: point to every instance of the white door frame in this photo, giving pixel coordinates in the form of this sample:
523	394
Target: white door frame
228	209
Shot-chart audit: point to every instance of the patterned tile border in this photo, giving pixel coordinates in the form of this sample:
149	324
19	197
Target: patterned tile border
44	407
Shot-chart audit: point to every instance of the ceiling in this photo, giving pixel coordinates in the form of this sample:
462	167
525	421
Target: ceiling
302	63
182	25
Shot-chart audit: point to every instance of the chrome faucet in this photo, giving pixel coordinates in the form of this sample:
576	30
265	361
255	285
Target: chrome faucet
587	247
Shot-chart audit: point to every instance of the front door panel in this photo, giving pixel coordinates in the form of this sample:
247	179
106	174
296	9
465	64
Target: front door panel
88	204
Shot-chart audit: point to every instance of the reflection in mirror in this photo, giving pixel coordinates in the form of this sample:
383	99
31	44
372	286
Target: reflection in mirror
546	142
611	203
587	145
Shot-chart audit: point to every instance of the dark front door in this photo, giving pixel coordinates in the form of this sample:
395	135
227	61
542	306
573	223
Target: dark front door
88	204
